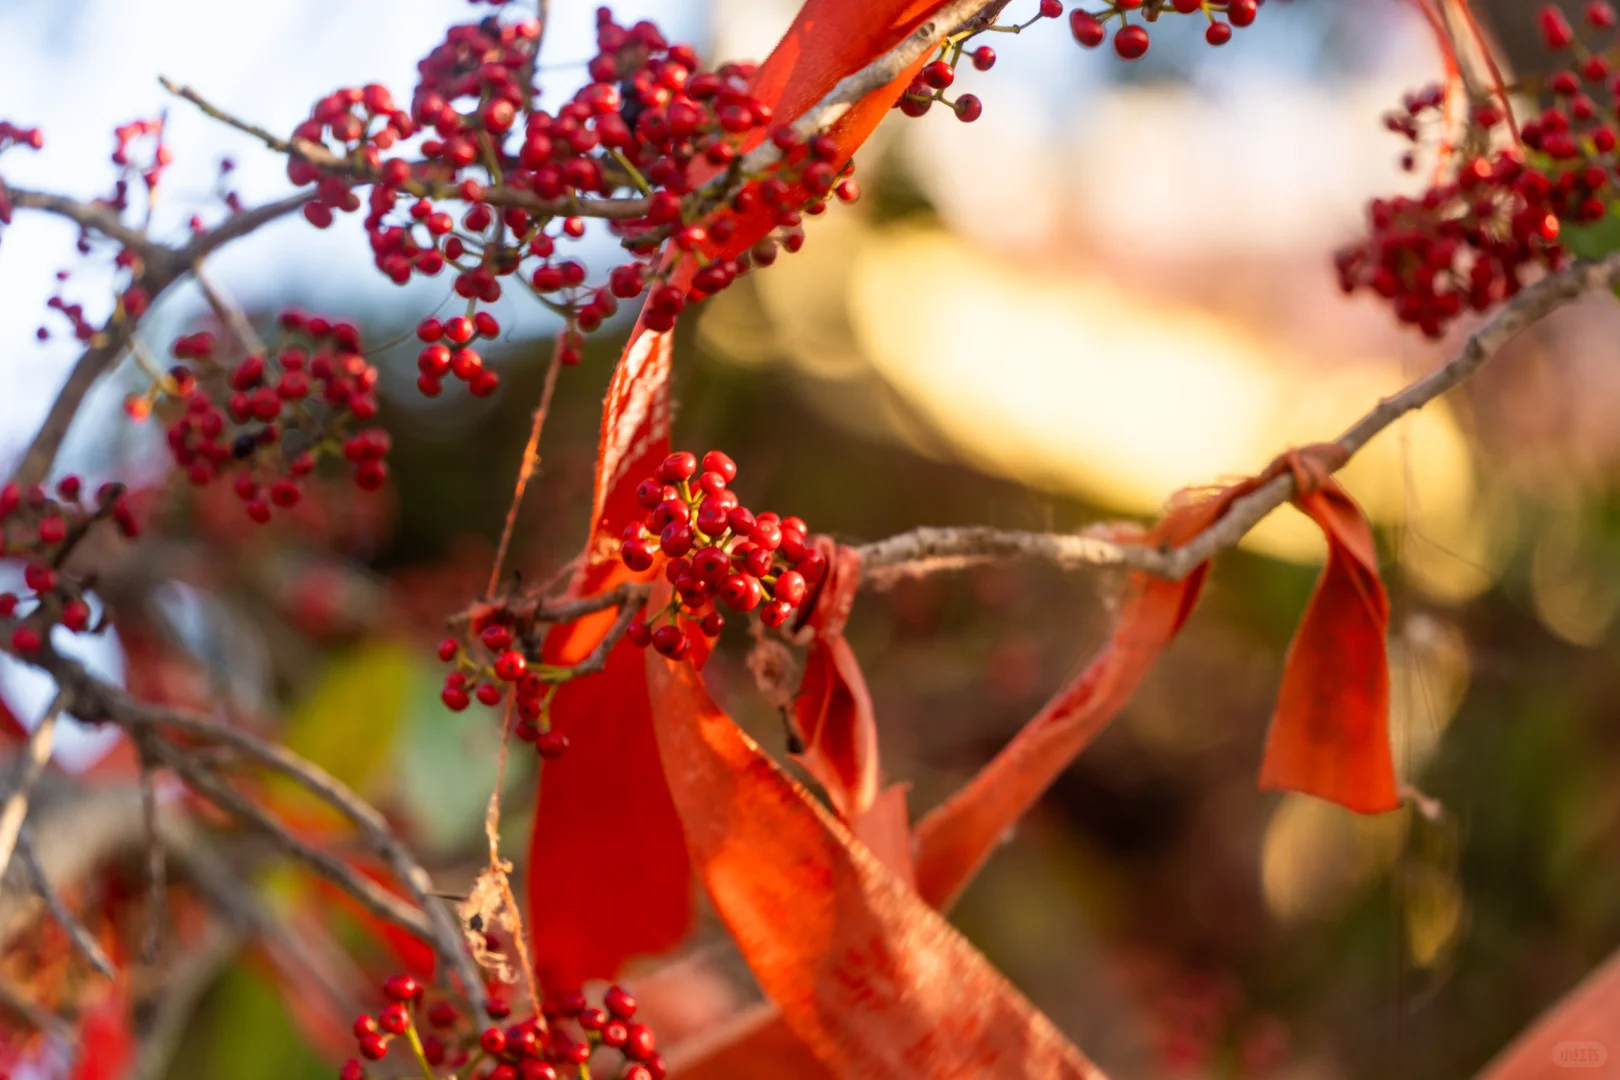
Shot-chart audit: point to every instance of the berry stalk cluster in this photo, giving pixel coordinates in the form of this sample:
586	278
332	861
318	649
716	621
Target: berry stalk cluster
562	1042
715	549
282	411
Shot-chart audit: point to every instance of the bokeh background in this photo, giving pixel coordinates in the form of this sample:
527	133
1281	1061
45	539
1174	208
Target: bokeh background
1116	284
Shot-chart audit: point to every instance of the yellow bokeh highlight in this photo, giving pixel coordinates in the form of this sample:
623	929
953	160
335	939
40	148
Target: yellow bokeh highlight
1316	857
1069	383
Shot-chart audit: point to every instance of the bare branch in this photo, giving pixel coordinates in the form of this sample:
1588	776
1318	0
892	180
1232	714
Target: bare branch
229	312
874	76
163	267
95	216
239	225
922	548
913	551
597	659
92	363
32	764
495	195
156	865
375	899
82	939
32	1012
94	698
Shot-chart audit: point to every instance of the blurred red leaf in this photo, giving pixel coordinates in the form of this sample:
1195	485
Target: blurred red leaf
869	977
106	1045
1579	1036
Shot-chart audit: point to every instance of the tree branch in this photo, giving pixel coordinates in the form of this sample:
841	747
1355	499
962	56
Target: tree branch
375	899
164	265
94	216
914	551
28	770
94	699
82	939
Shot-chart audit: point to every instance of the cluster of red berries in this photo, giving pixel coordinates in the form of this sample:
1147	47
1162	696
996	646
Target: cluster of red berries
716	549
448	349
1467	243
43	530
1131	40
937	76
502	668
556	1044
1464	245
281	412
127	136
648	121
15	135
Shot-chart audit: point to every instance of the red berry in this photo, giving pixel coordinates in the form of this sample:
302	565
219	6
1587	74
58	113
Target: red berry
25	639
636	555
1600	15
373	1047
76	615
671	642
455	698
1218	33
639	1042
52	529
681	465
1241	13
448	649
551	744
968	108
775	613
789	588
1555	29
493	1040
1086	29
402	988
1051	9
620	1002
1131	43
352	1070
937	74
394	1019
984	57
509	666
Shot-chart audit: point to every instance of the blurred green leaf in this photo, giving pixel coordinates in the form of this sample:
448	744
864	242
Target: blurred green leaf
350	720
252	1037
447	764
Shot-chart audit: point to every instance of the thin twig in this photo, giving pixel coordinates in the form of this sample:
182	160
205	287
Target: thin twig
156	866
597	659
533	606
94	216
94	698
495	195
229	312
163	267
28	770
874	76
82	939
375	899
526	467
20	1005
905	552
